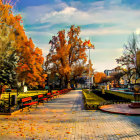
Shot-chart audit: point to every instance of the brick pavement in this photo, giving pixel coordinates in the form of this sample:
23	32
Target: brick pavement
64	118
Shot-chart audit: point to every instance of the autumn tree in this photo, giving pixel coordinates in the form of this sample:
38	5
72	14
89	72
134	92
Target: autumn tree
99	77
77	72
67	52
7	58
29	67
128	59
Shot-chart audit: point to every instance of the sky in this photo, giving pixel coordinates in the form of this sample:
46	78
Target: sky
107	23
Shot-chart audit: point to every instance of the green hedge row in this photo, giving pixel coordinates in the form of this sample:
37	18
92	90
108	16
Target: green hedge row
91	99
120	94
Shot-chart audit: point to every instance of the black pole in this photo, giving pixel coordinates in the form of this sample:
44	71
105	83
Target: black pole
9	104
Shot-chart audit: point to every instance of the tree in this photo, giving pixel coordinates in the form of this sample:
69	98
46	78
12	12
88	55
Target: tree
30	60
64	55
116	77
7	57
77	71
129	57
98	77
30	64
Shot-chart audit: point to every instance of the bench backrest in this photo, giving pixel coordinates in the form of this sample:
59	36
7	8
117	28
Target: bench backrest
40	96
26	99
48	93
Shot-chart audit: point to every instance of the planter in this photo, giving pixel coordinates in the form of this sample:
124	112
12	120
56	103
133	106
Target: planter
136	102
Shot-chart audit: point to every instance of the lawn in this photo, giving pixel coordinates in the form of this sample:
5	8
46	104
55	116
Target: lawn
21	95
91	99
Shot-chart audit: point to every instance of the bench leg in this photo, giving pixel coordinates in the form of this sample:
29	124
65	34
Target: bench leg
28	108
21	110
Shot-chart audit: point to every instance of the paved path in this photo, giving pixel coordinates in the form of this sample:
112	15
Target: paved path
64	118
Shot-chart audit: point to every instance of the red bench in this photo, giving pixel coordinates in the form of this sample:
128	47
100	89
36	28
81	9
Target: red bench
28	102
42	98
55	93
50	96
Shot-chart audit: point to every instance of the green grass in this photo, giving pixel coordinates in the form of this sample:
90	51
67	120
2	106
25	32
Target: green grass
92	99
21	95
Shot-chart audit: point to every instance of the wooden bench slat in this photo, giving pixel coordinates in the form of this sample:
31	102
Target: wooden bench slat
26	99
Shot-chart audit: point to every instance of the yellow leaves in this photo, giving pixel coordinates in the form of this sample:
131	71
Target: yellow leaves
67	132
12	36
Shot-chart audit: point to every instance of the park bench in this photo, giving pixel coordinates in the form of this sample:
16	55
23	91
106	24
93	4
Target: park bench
50	96
28	102
55	93
42	98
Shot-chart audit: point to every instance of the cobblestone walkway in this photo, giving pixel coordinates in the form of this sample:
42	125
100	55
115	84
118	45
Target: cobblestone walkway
64	118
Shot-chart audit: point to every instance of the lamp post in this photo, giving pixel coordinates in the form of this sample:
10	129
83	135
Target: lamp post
89	70
89	46
89	67
48	81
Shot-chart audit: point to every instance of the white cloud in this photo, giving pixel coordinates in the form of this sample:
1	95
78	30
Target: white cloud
124	21
124	18
40	33
137	31
101	66
105	31
68	11
45	49
104	58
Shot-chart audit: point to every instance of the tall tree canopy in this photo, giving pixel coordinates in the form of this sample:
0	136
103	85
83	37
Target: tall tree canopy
29	67
67	52
7	57
98	77
128	59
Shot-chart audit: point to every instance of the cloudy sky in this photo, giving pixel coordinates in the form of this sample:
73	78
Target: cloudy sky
107	23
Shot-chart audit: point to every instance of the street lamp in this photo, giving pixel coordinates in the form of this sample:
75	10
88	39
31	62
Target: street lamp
89	46
89	69
48	82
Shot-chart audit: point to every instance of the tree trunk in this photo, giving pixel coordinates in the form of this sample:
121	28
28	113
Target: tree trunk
0	90
61	82
67	83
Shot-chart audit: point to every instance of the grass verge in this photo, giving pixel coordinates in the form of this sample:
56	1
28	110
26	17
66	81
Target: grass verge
21	95
91	99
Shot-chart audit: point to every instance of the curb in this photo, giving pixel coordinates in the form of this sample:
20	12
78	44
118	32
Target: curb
122	113
13	113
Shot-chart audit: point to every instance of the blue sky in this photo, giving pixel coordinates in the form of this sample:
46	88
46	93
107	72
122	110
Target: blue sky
107	23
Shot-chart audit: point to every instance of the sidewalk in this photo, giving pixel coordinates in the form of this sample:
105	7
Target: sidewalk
120	109
64	118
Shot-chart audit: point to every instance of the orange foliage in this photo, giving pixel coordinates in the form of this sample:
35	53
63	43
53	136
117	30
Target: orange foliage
98	76
66	54
30	63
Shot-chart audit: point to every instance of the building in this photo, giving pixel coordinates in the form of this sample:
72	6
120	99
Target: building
109	72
